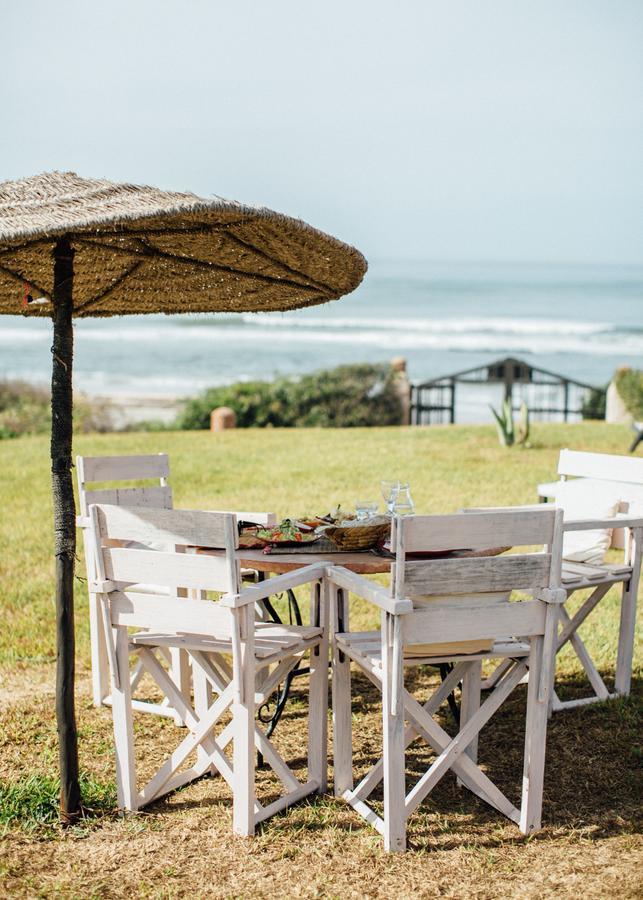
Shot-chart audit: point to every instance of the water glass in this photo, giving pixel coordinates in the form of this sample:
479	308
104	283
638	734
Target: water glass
365	509
389	493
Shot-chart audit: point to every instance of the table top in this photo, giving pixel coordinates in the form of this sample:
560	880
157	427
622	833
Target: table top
363	563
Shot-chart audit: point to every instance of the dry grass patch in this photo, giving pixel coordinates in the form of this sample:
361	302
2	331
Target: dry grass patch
590	844
183	845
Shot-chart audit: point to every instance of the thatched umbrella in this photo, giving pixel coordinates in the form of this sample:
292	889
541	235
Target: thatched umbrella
72	246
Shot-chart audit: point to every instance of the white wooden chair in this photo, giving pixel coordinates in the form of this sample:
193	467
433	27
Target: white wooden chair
223	642
621	479
438	610
120	472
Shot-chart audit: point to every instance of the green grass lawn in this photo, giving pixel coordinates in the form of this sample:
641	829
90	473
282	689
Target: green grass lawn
290	472
183	845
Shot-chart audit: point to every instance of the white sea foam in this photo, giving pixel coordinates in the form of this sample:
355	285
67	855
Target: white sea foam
493	335
498	324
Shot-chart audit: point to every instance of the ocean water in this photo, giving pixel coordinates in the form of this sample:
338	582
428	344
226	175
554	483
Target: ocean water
580	321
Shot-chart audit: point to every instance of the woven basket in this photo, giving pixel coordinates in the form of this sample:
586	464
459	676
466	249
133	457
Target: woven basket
358	537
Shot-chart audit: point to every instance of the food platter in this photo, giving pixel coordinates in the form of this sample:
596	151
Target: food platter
287	534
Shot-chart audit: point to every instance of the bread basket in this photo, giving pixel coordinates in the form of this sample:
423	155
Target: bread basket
359	535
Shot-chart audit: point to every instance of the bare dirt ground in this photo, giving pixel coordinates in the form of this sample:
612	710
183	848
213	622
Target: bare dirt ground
590	844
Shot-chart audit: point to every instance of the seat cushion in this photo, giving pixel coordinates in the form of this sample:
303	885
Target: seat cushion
587	499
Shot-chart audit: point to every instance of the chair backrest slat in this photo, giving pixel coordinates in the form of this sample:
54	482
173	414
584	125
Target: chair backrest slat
101	469
463	622
159	497
524	572
150	525
133	566
479	531
463	598
159	612
124	468
600	466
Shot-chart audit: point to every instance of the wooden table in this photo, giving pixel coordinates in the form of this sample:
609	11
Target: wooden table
364	563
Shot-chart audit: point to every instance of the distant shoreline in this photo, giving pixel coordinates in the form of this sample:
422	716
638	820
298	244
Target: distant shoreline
126	410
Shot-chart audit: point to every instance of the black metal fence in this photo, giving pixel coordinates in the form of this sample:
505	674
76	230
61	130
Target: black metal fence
549	396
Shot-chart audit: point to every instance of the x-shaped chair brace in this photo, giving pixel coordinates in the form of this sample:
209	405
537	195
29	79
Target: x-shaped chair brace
451	751
212	756
569	633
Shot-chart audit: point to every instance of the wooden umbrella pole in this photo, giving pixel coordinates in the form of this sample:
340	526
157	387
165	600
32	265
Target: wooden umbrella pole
64	525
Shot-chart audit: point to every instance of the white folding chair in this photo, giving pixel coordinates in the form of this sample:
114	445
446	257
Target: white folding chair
119	472
598	481
222	641
454	610
621	478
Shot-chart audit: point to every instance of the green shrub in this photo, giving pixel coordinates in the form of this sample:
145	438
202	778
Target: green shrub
593	406
345	397
25	409
629	384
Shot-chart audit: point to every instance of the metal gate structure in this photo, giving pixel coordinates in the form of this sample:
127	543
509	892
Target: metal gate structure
549	396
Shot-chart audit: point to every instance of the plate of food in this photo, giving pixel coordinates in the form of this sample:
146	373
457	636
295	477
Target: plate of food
286	534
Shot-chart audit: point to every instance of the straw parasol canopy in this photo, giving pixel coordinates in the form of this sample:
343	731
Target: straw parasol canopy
142	250
72	246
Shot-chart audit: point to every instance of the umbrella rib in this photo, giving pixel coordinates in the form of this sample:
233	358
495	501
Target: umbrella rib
22	279
15	247
204	264
151	251
318	284
108	290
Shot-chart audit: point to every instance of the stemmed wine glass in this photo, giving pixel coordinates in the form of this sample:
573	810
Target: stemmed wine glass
389	493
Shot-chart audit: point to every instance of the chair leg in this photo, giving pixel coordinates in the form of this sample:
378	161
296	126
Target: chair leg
471	686
393	735
127	795
628	624
243	712
341	690
318	693
100	663
535	742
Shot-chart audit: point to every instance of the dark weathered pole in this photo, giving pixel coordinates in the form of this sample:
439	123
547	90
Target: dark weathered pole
64	525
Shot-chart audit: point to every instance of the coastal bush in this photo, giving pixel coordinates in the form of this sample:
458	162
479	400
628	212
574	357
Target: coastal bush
25	409
344	397
593	406
629	384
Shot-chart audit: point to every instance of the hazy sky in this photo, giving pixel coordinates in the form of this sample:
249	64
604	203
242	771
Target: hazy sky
441	130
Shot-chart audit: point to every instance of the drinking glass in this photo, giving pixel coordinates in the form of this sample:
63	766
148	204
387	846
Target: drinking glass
365	509
389	493
403	504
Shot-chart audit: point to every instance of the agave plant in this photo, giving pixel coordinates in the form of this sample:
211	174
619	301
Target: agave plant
508	434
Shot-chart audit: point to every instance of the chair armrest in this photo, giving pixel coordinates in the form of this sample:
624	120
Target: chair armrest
620	520
275	585
83	521
366	589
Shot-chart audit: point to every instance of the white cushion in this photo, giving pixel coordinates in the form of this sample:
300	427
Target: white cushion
587	499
